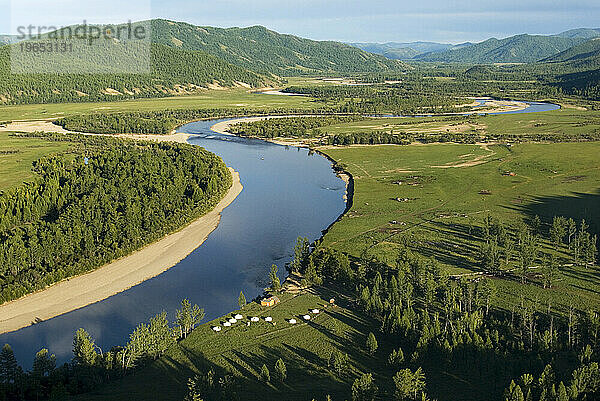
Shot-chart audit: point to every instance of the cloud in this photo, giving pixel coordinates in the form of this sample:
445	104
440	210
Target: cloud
347	20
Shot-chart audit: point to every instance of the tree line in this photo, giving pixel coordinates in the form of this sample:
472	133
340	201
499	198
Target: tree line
90	366
435	321
163	121
318	129
289	127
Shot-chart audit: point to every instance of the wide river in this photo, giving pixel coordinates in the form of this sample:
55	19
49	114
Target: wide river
288	192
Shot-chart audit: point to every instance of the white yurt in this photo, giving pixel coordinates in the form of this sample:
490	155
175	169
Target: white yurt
268	319
226	324
254	319
306	317
315	311
232	320
216	328
238	317
292	321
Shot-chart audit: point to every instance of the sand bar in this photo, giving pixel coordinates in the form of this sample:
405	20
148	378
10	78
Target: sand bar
117	276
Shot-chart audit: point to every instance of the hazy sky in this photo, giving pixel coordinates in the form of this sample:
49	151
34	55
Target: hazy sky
345	20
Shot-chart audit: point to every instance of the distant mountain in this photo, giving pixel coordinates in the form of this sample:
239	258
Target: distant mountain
581	33
515	49
406	51
260	49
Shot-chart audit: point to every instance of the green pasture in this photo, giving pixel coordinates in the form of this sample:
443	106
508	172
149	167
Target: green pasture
18	154
230	98
433	199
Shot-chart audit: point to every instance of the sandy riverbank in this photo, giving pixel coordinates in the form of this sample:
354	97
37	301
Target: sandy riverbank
48	126
34	126
117	276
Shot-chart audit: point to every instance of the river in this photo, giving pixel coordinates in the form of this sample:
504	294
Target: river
287	192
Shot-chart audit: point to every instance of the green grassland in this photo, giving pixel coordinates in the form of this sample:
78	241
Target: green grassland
18	154
450	188
305	348
229	98
564	121
568	120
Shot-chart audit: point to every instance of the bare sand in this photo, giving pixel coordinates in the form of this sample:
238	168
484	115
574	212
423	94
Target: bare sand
48	126
35	126
115	277
178	137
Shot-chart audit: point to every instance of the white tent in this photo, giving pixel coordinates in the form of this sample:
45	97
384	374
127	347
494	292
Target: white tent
226	324
306	317
232	320
315	311
238	317
268	319
254	319
216	328
292	321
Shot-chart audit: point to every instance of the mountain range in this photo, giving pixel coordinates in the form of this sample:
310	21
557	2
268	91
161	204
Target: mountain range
184	59
406	51
262	50
522	48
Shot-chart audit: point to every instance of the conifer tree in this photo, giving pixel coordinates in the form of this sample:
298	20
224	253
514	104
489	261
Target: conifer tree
84	349
265	376
9	367
274	279
241	300
371	344
364	388
280	370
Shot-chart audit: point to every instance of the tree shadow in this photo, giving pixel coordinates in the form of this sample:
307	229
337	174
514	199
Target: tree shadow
577	206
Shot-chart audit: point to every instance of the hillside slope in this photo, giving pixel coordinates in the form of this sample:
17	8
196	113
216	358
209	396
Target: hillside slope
265	51
581	55
515	49
174	72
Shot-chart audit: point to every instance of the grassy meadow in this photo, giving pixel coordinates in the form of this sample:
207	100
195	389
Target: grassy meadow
18	154
439	194
229	98
305	349
568	120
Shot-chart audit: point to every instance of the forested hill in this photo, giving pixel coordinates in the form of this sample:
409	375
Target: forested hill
581	54
174	71
263	50
515	49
